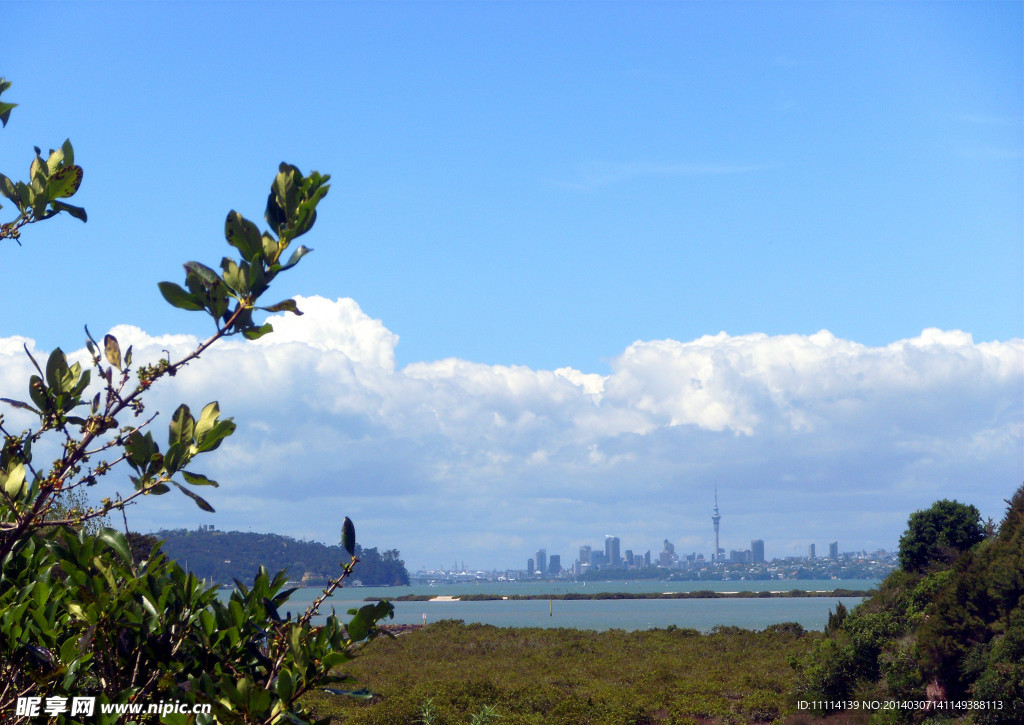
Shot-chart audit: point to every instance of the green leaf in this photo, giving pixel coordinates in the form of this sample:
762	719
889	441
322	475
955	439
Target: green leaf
200	501
183	427
197	479
178	297
209	416
285	687
175	456
64	182
298	254
258	332
112	350
54	162
7	189
67	152
348	536
5	111
76	211
202	272
150	608
37	391
243	235
234	276
13	481
19	404
117	541
212	438
285	306
139	448
333	659
56	369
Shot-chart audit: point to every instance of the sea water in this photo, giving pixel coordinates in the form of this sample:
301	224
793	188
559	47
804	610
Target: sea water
598	614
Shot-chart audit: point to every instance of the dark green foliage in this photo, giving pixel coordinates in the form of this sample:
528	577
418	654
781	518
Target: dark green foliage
974	625
937	535
50	180
80	618
141	546
91	612
569	677
958	628
223	556
835	619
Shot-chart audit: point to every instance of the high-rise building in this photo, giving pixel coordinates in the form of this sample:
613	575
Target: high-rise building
833	550
667	557
810	551
529	567
629	558
715	519
757	550
554	564
542	561
611	551
585	555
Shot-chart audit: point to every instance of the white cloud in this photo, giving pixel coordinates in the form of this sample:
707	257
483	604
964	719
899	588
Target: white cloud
487	463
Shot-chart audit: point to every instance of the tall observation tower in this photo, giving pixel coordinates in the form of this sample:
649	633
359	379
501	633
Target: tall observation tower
715	519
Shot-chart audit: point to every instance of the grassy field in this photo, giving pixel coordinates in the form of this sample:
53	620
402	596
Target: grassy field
450	673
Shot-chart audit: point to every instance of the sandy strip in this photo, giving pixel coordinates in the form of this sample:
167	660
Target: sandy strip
444	598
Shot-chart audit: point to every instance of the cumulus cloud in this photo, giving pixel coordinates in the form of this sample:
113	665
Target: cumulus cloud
487	463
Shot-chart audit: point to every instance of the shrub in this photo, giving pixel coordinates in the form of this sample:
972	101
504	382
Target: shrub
79	615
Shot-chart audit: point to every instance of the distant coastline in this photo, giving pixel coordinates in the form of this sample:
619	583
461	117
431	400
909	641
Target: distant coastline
703	594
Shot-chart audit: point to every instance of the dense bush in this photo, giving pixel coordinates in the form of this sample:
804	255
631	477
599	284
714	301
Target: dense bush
79	614
939	534
944	631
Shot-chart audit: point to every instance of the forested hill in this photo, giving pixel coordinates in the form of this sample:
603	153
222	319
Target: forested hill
222	556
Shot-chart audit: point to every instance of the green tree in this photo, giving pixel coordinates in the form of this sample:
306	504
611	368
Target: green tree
78	615
939	534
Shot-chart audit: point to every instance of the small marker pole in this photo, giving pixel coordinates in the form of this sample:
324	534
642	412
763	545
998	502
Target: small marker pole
550	608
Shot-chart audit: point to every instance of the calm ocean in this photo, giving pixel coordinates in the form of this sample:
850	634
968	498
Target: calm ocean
627	614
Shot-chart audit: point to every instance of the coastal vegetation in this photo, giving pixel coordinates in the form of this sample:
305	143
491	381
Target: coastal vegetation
223	556
81	614
948	627
450	673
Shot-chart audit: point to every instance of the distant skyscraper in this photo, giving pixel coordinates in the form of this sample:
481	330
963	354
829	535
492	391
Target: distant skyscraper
542	561
554	564
715	519
611	551
585	555
833	550
757	550
810	551
529	567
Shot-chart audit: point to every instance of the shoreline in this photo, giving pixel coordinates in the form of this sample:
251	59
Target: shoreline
576	596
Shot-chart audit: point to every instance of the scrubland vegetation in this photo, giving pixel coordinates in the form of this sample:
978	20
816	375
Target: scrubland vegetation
450	672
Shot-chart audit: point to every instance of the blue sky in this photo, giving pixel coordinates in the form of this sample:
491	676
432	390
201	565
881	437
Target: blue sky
562	185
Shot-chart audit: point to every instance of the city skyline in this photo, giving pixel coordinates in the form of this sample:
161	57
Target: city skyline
753	554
